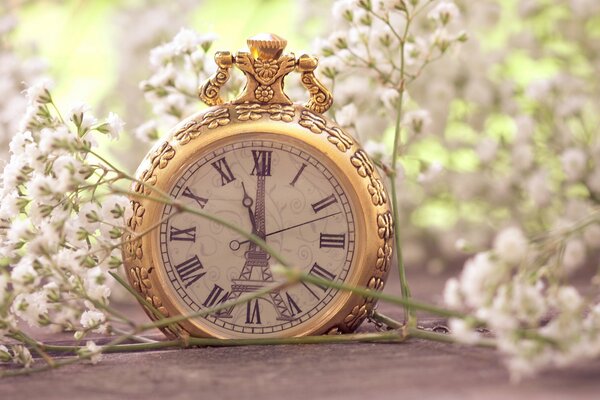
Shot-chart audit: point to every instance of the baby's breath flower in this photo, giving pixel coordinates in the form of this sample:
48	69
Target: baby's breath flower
417	121
92	351
510	245
444	12
92	319
21	356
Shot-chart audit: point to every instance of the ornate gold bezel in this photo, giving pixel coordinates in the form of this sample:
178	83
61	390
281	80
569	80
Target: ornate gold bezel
306	129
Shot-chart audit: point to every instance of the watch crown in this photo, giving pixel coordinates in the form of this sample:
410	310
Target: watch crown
266	46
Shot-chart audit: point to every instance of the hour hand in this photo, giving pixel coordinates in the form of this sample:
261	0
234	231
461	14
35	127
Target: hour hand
248	202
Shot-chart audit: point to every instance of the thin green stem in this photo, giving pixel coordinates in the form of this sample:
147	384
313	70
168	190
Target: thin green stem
387	321
213	310
296	275
405	289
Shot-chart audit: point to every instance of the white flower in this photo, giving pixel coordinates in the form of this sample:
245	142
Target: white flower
21	356
92	319
574	254
30	307
19	141
20	229
511	245
186	41
444	12
452	294
51	139
39	92
574	162
162	55
346	116
147	132
417	120
92	351
115	125
462	331
82	117
479	275
389	97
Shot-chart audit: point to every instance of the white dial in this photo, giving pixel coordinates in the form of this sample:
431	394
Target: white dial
280	193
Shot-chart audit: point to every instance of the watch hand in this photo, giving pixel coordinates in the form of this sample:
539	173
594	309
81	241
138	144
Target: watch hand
248	202
235	244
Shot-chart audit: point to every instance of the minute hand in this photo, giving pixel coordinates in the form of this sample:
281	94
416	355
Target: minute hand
235	243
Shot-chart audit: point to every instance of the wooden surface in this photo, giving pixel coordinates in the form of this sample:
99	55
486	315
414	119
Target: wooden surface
412	370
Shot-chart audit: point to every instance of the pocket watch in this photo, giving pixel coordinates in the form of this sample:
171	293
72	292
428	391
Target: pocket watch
280	170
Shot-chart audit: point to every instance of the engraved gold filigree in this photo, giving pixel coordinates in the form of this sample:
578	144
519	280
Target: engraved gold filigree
384	258
264	93
365	169
254	111
263	101
212	120
320	98
385	225
266	69
317	124
209	91
159	160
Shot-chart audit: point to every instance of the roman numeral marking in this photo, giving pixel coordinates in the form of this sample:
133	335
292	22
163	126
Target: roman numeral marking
293	182
319	272
223	168
332	240
189	271
253	312
262	162
183	235
326	202
187	192
216	296
292	305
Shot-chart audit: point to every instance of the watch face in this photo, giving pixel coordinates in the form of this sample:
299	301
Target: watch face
281	193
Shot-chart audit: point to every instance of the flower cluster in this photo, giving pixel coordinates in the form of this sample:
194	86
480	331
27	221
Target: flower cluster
500	159
536	324
179	67
60	227
371	37
14	70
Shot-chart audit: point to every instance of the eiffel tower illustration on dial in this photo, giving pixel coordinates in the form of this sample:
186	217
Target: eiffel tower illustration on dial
256	272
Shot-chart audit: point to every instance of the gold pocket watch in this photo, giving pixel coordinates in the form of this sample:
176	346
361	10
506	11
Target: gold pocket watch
280	170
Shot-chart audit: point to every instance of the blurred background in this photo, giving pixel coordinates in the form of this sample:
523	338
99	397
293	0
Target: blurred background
510	133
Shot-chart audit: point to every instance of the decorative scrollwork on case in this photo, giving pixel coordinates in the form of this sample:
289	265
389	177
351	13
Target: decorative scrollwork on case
255	111
365	168
385	225
362	310
209	91
356	316
211	119
159	160
320	98
316	124
384	258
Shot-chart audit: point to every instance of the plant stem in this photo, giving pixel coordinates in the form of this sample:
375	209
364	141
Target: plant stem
296	275
405	289
388	321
